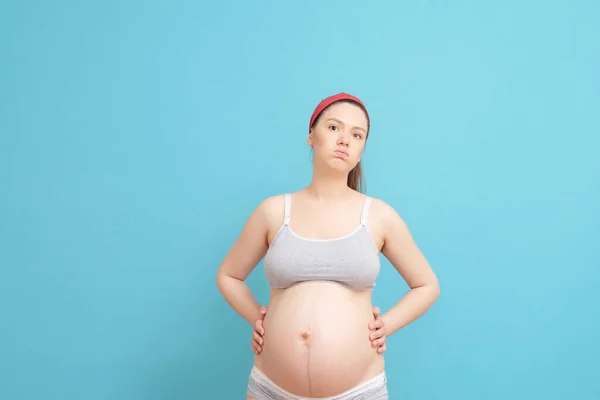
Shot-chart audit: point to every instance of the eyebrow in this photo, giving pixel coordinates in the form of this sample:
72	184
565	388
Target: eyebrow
341	123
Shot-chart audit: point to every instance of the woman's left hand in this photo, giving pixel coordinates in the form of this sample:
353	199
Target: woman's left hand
377	336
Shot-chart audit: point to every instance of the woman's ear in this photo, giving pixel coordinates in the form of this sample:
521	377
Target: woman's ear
309	140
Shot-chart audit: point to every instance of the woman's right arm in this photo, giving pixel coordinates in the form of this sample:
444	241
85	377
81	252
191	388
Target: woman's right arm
247	251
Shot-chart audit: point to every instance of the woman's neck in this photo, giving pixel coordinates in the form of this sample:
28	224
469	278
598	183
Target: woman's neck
328	187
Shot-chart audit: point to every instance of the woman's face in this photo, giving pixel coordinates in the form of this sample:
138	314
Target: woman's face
339	136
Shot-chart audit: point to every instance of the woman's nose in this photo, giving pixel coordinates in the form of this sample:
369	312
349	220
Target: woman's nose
343	139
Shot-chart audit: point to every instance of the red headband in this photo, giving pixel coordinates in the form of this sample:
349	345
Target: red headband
330	100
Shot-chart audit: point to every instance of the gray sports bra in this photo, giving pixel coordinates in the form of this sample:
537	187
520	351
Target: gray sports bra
351	260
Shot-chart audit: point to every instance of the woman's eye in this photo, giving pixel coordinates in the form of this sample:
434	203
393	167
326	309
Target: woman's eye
332	127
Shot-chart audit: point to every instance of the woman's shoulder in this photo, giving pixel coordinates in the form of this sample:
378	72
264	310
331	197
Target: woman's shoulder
383	212
379	205
272	207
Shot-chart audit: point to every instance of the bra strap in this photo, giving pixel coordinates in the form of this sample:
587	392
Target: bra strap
286	210
365	213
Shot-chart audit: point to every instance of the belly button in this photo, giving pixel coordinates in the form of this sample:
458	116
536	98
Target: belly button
305	335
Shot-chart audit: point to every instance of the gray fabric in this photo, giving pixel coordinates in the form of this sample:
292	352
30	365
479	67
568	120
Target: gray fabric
351	260
261	387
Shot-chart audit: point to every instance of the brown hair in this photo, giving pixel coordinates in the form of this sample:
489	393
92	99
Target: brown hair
356	180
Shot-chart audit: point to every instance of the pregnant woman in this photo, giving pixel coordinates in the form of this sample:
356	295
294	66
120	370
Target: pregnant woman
320	338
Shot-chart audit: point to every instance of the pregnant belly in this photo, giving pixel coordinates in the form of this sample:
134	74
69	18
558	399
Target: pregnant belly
316	341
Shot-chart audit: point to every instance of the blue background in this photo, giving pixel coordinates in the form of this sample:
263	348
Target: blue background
137	136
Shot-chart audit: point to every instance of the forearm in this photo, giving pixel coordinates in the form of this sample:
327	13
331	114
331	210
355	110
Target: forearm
238	295
414	304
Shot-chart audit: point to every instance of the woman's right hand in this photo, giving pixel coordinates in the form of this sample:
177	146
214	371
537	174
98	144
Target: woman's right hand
258	332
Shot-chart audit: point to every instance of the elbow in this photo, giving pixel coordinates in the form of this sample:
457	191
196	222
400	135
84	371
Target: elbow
432	290
221	280
435	290
430	287
224	281
430	293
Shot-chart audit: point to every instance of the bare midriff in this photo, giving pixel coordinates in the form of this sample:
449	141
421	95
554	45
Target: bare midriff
316	341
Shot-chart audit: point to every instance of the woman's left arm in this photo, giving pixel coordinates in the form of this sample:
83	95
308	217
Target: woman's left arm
403	253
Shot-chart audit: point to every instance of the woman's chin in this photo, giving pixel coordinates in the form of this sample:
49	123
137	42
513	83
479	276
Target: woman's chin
340	165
